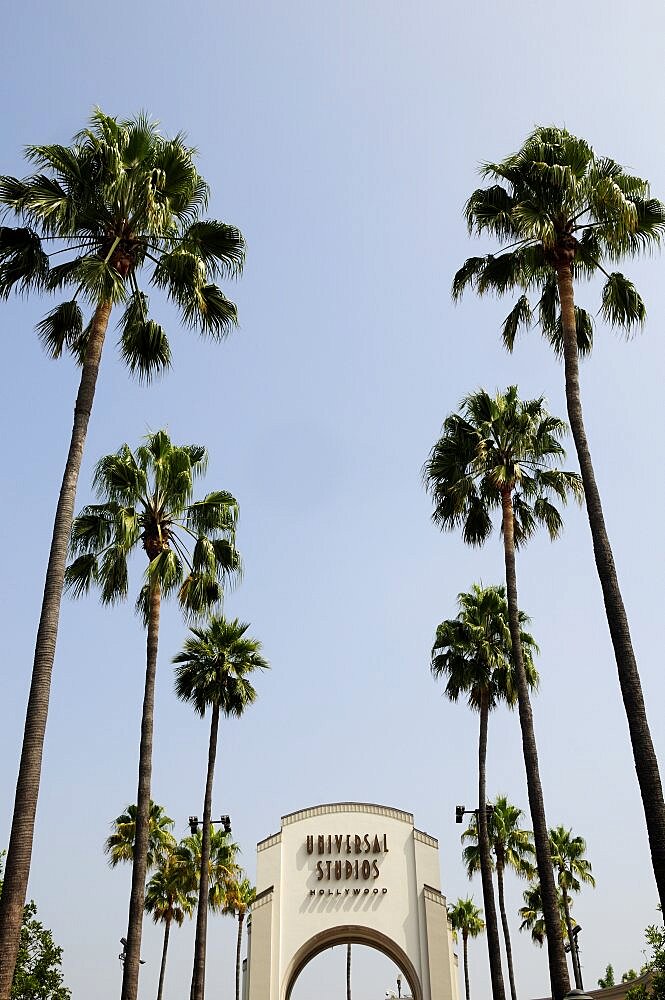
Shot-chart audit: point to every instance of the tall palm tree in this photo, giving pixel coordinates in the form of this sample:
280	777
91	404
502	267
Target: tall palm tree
119	845
474	652
465	918
147	502
513	848
240	894
572	868
167	899
532	914
213	671
348	973
560	214
501	452
121	203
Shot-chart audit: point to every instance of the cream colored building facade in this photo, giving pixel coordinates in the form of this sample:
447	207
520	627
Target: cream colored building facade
349	872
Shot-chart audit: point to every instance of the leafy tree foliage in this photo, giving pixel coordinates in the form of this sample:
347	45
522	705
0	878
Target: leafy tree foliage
38	975
655	989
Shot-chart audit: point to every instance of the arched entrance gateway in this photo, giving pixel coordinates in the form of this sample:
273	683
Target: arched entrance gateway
349	872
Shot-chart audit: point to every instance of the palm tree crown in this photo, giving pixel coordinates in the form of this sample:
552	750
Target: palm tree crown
120	201
496	445
556	201
147	498
473	650
214	665
511	844
119	845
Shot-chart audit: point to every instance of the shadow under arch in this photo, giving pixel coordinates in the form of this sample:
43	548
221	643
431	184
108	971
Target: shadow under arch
351	934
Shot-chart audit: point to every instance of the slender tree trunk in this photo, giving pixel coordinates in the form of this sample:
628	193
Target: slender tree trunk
577	972
465	946
241	917
17	866
130	978
506	931
162	968
644	755
491	924
199	971
348	972
559	980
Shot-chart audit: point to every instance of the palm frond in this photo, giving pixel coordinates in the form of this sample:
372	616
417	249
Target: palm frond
143	343
23	263
622	304
61	328
220	246
81	574
519	317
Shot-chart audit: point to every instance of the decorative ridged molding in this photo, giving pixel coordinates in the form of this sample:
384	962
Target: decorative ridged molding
425	838
331	808
270	841
262	898
434	895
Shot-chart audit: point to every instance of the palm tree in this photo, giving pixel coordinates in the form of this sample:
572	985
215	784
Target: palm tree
240	894
147	502
222	865
501	452
572	868
560	213
122	201
465	917
348	973
532	914
513	848
474	652
120	844
213	672
168	900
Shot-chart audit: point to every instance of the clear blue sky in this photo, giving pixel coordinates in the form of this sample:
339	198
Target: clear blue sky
343	139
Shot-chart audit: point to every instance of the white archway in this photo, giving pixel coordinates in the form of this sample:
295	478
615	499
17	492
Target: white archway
349	872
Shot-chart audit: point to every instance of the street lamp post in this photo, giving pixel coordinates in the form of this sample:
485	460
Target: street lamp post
574	949
195	823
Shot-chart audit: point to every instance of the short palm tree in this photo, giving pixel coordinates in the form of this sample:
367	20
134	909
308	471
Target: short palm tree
501	452
240	894
120	844
466	919
512	848
122	204
571	868
560	213
213	672
223	868
169	901
474	652
532	914
147	503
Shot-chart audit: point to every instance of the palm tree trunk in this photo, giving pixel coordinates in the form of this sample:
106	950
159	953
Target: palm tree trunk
506	931
162	968
559	980
241	917
577	972
465	945
644	755
198	974
493	944
130	977
348	972
17	866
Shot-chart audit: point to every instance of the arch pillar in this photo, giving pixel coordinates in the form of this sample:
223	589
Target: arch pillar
349	873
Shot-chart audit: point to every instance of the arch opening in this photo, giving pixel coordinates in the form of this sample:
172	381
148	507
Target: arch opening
351	934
